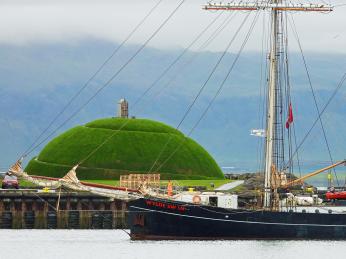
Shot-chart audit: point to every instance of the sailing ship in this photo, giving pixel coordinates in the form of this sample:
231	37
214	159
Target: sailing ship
160	218
215	215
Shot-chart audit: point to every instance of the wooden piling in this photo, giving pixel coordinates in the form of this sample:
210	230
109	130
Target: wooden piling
30	209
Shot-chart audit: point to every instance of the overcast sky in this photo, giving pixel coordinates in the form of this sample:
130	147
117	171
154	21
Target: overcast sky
70	21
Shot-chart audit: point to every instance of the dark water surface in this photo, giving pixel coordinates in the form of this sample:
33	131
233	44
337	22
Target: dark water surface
115	244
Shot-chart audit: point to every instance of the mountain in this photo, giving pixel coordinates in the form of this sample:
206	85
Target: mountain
38	80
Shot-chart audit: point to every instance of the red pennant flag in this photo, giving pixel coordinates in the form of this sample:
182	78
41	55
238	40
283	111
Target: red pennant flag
289	117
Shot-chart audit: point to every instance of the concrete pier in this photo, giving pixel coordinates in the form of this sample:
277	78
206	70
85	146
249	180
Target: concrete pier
34	209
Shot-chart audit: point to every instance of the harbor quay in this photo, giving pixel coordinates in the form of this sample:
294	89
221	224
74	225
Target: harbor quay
36	209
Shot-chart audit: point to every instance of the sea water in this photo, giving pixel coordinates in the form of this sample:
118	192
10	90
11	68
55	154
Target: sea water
115	244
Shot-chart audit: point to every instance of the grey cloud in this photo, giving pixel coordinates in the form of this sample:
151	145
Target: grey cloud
54	21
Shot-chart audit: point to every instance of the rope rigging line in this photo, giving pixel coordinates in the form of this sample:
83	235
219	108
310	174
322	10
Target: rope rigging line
285	89
291	130
262	91
178	58
340	84
212	72
208	41
265	42
221	27
217	92
201	89
153	84
287	85
218	31
297	153
150	87
112	77
294	29
205	44
115	51
265	46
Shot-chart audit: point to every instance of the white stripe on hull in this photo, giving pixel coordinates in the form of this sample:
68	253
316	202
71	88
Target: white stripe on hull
240	221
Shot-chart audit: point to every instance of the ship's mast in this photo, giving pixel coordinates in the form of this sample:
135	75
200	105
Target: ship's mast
276	7
271	111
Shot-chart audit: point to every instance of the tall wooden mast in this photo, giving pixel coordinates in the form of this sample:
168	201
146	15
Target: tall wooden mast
276	7
271	111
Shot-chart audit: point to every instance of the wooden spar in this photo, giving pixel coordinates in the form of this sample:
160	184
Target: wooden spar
301	179
302	9
293	9
96	185
229	8
105	186
271	6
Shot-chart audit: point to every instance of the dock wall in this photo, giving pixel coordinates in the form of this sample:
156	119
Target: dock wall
29	209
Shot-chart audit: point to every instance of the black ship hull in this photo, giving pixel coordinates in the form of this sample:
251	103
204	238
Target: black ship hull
158	219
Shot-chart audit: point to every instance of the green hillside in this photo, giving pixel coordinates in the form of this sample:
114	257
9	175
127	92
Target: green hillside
133	149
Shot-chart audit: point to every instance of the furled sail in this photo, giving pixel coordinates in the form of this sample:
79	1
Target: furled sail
17	170
70	181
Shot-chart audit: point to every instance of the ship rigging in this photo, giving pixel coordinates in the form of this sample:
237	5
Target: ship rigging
278	82
162	217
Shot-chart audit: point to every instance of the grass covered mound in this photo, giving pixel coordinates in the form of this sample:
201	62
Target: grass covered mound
134	147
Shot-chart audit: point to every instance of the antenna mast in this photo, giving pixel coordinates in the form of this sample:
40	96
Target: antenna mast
276	7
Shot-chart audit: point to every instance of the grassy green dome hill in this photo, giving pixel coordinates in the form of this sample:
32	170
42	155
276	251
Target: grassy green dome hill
133	149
